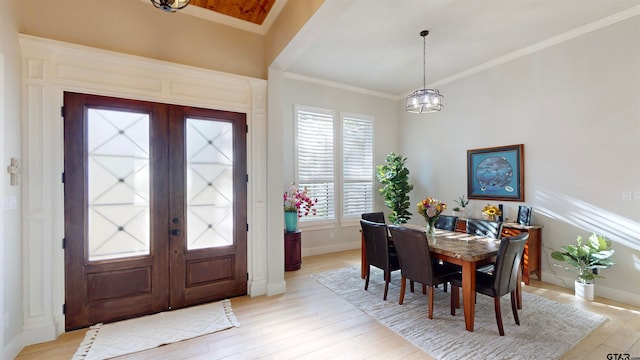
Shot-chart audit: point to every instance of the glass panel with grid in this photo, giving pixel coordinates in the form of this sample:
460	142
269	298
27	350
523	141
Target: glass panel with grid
209	186
118	184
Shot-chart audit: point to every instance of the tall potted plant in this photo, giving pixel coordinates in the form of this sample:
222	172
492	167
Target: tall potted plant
584	259
394	177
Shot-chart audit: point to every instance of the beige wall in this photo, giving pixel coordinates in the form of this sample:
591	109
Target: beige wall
292	18
136	27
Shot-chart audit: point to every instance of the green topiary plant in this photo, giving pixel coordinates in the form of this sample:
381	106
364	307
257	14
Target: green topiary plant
394	176
584	257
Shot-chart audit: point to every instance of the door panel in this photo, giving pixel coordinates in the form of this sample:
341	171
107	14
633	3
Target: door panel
131	246
208	256
96	256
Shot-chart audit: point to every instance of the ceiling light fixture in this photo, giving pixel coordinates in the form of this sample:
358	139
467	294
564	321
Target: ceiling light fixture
170	5
424	100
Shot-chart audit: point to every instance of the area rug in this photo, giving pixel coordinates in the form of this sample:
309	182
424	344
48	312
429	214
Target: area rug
147	332
547	328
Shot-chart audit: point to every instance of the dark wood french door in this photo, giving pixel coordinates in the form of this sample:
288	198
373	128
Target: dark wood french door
155	207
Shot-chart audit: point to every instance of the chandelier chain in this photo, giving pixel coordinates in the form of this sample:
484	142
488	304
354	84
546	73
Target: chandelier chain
424	61
424	100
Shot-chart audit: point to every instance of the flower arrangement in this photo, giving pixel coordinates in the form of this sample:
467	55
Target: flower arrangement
297	200
431	208
491	211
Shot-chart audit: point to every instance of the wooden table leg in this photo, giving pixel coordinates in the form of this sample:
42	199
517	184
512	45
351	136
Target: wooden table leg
468	293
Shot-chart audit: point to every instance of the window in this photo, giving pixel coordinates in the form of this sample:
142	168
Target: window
328	155
357	165
315	159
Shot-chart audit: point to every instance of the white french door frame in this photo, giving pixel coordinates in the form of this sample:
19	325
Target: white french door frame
52	67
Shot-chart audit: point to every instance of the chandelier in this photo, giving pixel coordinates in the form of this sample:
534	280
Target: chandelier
170	5
424	100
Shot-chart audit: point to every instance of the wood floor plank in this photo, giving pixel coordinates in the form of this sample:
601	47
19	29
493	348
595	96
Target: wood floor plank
310	322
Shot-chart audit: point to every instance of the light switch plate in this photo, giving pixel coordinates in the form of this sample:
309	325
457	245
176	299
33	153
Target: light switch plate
10	202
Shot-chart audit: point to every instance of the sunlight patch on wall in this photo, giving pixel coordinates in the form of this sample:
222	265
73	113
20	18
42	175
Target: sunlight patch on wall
590	218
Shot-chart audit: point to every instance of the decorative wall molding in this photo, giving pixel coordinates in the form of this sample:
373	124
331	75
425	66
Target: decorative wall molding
52	67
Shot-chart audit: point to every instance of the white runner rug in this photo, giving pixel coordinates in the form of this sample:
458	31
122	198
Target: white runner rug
547	330
147	332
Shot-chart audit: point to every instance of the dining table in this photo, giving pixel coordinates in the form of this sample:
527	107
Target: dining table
467	250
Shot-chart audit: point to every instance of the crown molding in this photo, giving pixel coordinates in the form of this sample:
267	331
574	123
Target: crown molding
571	34
310	79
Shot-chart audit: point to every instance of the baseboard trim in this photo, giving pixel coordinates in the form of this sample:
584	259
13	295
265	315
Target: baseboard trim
601	291
276	288
38	332
13	348
257	288
330	248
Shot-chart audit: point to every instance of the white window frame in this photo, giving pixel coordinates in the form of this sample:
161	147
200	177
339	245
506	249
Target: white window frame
308	221
338	166
365	118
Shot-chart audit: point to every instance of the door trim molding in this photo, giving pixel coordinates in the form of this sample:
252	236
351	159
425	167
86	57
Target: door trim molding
51	67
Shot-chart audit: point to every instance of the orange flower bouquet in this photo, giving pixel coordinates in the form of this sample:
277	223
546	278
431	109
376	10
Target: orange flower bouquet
431	208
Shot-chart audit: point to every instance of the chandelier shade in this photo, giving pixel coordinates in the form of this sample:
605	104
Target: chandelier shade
424	100
170	5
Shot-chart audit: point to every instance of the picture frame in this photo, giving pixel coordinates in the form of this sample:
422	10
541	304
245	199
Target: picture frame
496	173
524	215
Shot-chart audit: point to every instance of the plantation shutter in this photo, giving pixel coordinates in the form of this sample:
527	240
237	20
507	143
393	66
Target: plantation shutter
357	166
315	159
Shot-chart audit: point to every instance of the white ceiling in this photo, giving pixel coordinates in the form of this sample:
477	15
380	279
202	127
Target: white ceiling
376	44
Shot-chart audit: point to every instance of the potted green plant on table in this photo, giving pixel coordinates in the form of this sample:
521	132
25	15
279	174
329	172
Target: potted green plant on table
394	176
462	203
584	258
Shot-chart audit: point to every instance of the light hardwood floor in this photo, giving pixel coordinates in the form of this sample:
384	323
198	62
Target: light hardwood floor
311	322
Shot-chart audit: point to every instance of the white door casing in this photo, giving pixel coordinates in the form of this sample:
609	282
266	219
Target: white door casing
52	67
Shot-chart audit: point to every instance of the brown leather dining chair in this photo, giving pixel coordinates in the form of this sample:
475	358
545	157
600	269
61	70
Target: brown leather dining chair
484	228
379	253
503	280
374	216
416	263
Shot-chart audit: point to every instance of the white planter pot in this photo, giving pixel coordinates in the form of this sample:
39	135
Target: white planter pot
584	291
459	214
